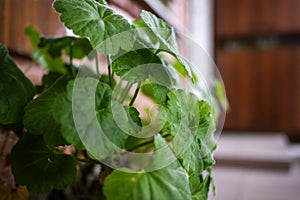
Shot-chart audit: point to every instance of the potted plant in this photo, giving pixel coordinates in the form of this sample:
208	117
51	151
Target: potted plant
91	132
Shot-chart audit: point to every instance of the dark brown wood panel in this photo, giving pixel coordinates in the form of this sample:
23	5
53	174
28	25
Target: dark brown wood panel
263	88
258	54
252	17
231	21
16	15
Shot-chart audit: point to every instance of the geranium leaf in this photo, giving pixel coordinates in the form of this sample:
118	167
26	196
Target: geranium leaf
161	29
96	21
167	39
15	90
42	55
191	119
54	106
136	66
96	123
200	188
40	168
81	47
167	183
144	34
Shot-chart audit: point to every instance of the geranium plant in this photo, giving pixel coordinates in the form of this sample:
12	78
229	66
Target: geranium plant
86	121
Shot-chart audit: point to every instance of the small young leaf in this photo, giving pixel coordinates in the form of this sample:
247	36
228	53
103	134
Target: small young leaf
167	39
33	35
39	168
96	21
161	29
55	46
41	55
15	90
143	34
221	95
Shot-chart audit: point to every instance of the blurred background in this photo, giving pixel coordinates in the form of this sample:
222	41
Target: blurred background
256	46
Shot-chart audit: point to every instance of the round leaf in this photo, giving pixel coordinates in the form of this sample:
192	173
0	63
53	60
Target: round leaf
40	168
15	90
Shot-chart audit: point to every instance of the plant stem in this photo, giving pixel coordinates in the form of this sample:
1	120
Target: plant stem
135	95
29	67
73	74
125	92
109	70
88	161
145	143
97	63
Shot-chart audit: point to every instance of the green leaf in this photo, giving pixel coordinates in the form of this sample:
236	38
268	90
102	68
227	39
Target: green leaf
194	159
167	39
15	90
33	35
49	79
96	21
109	123
41	55
96	123
170	182
191	122
55	46
64	117
200	188
103	2
40	168
134	114
167	183
144	34
157	92
51	115
221	95
136	66
161	29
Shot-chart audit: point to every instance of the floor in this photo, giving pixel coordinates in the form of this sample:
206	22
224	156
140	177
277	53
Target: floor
256	167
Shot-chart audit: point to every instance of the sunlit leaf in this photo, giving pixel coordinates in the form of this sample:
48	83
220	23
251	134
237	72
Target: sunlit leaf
96	21
167	39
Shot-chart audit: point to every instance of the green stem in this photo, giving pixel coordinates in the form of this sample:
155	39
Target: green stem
29	67
73	74
97	63
145	143
135	95
88	161
125	92
109	70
